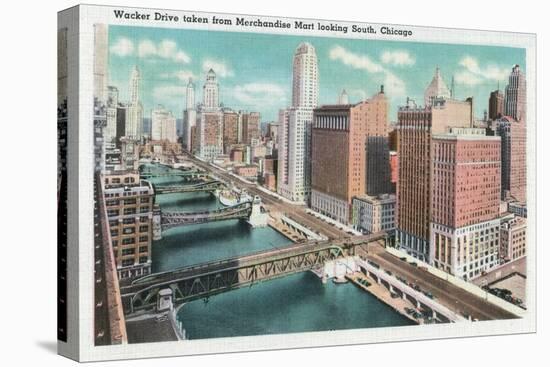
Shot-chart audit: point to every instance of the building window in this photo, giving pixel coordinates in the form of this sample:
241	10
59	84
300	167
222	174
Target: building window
128	241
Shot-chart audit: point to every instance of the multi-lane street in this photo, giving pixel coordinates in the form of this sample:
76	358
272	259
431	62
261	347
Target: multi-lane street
447	294
273	204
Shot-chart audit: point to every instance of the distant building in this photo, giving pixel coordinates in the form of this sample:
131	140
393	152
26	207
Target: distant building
294	178
121	117
163	125
134	118
515	98
272	128
373	214
414	130
250	127
248	171
378	172
513	135
189	116
210	91
129	204
465	202
437	89
270	181
394	169
110	131
517	208
513	238
496	105
230	130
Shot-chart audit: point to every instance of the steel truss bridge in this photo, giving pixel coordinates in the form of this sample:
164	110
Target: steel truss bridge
191	174
177	219
207	186
204	280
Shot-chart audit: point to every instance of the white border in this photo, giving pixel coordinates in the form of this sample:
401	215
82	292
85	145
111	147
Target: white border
91	14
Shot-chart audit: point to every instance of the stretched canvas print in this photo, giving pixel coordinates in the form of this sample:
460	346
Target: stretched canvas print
235	182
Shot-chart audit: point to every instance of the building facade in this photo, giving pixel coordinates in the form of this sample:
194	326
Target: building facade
465	202
513	136
134	119
250	122
163	125
496	105
189	115
294	179
513	238
414	131
373	214
129	204
515	98
349	155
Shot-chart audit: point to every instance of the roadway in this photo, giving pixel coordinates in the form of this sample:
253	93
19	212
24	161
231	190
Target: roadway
447	294
295	212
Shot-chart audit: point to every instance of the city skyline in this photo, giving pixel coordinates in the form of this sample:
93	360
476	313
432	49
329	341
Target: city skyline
167	58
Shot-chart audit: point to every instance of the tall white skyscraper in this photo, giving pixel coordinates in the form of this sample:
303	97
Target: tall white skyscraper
211	91
134	122
515	98
189	115
294	180
163	125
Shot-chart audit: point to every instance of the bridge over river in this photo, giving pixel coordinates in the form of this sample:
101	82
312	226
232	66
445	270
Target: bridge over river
204	280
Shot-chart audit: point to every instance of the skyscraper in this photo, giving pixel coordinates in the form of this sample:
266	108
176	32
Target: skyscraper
211	91
344	138
112	105
163	125
134	119
295	127
513	137
250	127
515	98
189	115
436	89
496	105
465	195
414	131
209	121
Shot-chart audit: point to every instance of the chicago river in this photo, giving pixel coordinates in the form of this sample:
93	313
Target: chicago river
295	303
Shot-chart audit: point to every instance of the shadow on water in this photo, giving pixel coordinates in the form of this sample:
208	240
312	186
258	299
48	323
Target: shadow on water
172	203
204	232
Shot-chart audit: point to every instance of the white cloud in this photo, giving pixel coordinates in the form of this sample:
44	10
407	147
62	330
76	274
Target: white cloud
182	75
122	47
474	74
146	48
394	86
220	68
361	94
166	49
397	58
260	94
182	57
362	62
467	78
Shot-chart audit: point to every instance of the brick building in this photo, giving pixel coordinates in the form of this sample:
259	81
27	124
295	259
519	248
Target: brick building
465	202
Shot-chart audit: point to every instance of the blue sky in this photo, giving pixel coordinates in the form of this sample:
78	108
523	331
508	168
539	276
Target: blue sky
255	70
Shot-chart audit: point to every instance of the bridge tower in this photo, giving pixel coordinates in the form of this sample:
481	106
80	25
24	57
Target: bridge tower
257	217
157	228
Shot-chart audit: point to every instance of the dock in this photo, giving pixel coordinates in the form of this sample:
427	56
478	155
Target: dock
382	294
